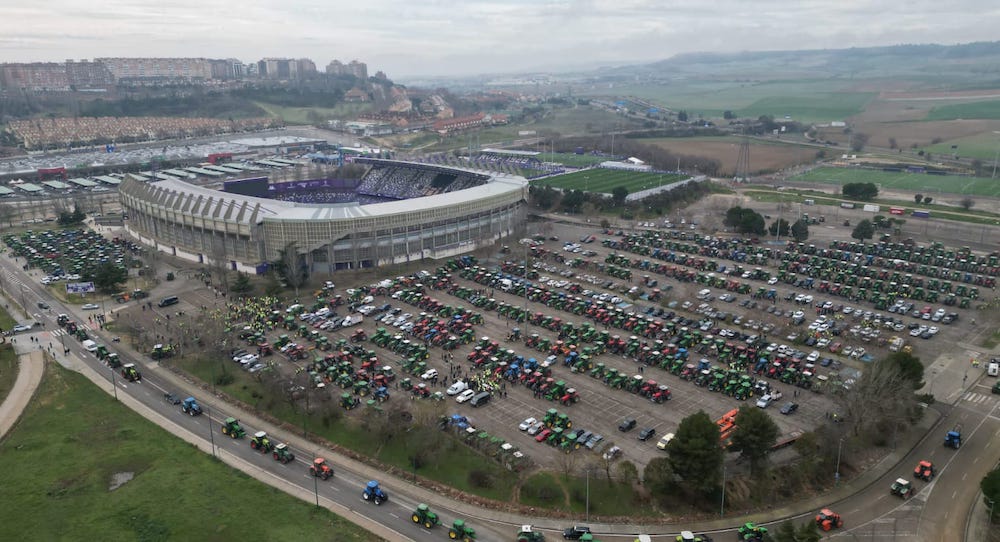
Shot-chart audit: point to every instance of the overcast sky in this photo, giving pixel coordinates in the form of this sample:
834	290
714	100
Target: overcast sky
448	37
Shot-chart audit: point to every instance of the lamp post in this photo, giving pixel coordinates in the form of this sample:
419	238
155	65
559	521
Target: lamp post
316	481
989	518
588	495
722	507
836	475
114	382
211	434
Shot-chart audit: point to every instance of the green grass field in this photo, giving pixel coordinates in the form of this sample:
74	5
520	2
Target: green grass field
825	106
970	110
605	180
59	461
981	146
929	184
8	369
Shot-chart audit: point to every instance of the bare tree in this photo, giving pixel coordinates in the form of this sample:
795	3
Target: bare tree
881	396
7	214
291	267
967	203
219	263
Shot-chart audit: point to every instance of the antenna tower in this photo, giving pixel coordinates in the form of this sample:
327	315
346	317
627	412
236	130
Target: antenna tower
743	160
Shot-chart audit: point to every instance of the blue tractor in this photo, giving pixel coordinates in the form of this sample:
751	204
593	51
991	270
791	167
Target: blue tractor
953	439
190	407
373	493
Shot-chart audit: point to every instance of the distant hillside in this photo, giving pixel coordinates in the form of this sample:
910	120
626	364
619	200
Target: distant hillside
967	65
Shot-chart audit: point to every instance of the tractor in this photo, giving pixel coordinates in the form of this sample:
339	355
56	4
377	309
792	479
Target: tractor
527	534
233	428
261	442
828	520
190	407
460	531
424	516
131	373
749	532
283	453
321	469
924	471
688	536
901	488
373	493
953	439
349	401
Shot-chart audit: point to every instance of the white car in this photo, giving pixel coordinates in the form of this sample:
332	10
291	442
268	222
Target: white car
772	281
764	401
813	356
465	396
457	388
535	428
431	373
526	424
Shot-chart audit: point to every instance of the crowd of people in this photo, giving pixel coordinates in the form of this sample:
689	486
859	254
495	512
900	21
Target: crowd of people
408	182
66	132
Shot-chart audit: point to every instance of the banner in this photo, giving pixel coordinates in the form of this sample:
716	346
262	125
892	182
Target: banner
79	287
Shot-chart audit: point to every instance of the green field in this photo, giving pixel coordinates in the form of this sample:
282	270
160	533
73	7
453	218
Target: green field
918	182
8	369
825	106
981	146
606	180
59	461
970	110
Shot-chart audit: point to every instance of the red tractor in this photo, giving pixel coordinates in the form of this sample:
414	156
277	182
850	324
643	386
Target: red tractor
924	471
828	520
320	468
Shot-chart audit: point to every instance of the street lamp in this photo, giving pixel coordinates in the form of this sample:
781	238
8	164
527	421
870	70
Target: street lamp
114	382
836	475
211	434
722	507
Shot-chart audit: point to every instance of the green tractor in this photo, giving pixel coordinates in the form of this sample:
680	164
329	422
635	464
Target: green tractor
283	453
261	442
460	531
749	532
130	373
527	534
233	428
424	516
349	401
114	361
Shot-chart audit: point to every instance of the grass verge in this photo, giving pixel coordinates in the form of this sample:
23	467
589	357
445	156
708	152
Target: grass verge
451	464
8	369
85	438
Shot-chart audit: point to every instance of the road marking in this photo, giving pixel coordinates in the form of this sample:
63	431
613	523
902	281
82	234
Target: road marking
393	515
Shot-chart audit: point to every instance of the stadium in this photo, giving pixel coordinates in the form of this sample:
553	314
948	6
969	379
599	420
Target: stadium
397	211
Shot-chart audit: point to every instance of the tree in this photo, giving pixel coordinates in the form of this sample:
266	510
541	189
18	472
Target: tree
800	230
858	141
864	230
928	200
72	218
779	228
967	203
917	198
880	401
695	454
745	220
803	532
728	115
909	367
990	485
108	277
573	200
682	116
627	471
658	476
618	194
892	143
860	191
755	434
242	284
291	267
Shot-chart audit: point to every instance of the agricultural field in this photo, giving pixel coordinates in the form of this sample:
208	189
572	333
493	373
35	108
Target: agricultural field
983	146
606	180
970	110
111	475
818	107
930	184
764	155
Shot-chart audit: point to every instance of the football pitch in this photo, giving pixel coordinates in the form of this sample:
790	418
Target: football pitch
605	180
917	182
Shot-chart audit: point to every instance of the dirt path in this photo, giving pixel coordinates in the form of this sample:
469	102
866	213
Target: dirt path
29	376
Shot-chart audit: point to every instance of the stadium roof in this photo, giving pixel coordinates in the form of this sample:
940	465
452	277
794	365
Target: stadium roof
270	163
109	180
203	171
86	183
510	152
58	185
30	187
256	210
4	191
139	176
179	173
255	142
244	167
223	169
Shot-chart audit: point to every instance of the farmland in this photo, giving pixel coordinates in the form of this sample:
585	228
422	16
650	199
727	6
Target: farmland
974	186
175	492
605	180
982	146
764	155
970	110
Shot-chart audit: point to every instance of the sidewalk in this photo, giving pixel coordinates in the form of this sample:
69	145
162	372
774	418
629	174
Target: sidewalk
977	525
29	376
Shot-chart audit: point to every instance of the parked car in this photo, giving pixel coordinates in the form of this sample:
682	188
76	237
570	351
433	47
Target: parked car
646	434
458	387
627	424
90	307
465	396
527	423
789	408
612	453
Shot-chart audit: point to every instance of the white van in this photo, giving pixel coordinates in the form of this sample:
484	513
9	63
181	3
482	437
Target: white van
993	369
90	345
704	294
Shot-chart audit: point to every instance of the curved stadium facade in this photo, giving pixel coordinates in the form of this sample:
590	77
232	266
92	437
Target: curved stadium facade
446	211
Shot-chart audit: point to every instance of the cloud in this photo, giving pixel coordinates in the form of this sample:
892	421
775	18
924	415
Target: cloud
476	36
